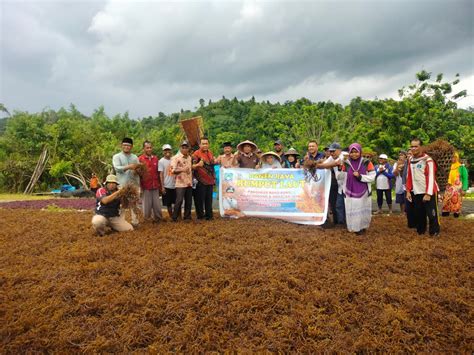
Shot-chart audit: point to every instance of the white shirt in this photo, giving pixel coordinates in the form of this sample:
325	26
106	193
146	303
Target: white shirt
382	182
399	187
340	158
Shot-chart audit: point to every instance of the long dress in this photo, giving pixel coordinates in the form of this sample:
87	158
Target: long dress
358	207
458	181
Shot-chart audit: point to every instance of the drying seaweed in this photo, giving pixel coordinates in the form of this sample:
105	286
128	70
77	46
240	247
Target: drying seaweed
142	170
442	153
129	196
232	286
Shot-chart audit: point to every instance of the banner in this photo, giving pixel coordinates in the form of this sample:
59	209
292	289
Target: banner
295	195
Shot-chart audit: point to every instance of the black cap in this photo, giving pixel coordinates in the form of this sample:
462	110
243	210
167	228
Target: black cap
127	140
334	146
326	148
278	142
226	144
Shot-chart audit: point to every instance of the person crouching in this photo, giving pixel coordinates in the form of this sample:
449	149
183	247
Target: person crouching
107	210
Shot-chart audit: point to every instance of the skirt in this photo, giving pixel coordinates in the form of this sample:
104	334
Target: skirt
452	199
358	212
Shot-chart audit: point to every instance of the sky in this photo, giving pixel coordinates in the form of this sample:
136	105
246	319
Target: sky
146	57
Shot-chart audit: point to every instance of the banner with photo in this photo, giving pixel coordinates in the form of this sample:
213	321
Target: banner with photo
295	195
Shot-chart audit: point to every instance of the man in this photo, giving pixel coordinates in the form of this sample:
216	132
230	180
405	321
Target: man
312	153
278	148
125	164
203	166
409	205
181	168
336	198
422	189
383	183
398	168
168	188
150	184
226	160
107	211
327	153
246	156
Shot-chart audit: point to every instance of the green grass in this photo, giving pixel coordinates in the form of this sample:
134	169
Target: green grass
20	197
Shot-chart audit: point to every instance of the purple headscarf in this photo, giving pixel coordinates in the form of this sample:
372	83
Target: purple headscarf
354	187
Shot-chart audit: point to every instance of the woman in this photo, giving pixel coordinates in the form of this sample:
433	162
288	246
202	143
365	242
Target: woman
398	168
358	173
270	160
291	161
456	188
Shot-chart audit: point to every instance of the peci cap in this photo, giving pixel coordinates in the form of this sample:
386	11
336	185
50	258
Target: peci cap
127	140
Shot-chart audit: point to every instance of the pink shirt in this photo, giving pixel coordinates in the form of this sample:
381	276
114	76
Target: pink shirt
184	165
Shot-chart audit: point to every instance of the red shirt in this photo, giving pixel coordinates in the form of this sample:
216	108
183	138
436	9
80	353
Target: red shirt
205	174
152	179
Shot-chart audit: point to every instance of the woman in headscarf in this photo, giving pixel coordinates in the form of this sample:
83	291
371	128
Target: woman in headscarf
455	189
291	161
358	174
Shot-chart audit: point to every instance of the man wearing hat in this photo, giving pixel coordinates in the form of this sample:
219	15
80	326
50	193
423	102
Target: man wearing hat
278	148
246	156
125	164
383	182
181	168
335	193
107	210
168	188
226	160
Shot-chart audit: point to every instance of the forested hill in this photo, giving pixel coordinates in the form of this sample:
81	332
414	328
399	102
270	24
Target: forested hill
78	143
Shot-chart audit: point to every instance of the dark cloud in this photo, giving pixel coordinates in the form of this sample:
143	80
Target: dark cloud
147	57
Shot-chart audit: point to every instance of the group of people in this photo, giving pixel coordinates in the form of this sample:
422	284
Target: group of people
190	174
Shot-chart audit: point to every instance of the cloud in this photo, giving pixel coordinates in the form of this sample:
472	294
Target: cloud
147	57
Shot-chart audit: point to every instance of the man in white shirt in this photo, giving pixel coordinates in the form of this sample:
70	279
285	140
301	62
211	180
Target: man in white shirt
125	164
383	183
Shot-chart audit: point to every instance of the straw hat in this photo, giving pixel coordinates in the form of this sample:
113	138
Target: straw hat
292	151
271	153
111	178
241	144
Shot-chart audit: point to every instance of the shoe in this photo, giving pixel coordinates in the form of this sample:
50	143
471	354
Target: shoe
435	235
456	215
